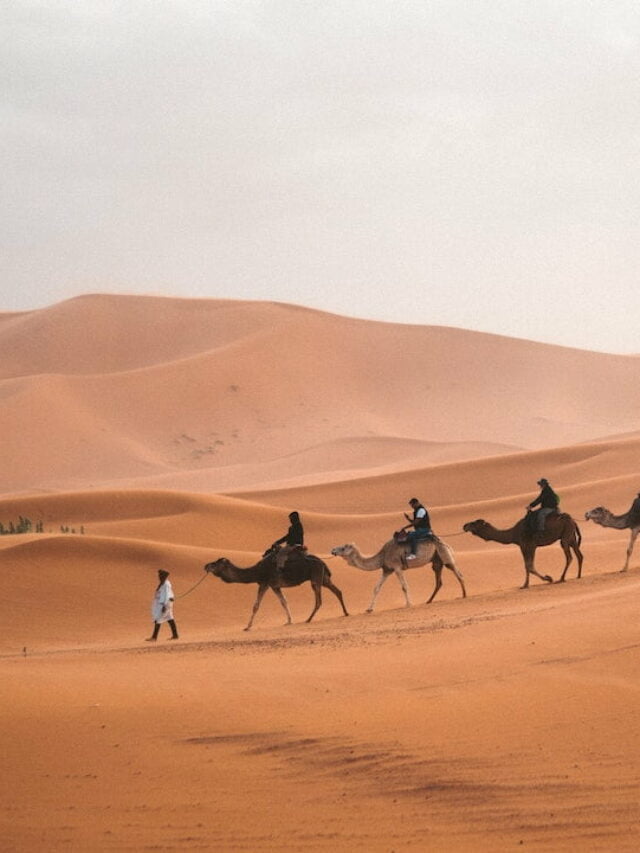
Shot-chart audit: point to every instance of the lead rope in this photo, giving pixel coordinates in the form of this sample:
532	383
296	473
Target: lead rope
182	595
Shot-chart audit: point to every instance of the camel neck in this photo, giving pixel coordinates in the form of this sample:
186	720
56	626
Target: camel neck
367	564
617	521
505	537
253	574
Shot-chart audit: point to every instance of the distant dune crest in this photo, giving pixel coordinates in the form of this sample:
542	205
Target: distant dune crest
210	395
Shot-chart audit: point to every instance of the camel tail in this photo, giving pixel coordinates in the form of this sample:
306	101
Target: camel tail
578	535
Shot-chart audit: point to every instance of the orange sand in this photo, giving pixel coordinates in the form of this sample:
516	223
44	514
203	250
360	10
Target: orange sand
175	431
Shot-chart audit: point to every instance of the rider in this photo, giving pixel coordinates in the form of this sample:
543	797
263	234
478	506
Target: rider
548	501
421	524
294	536
633	516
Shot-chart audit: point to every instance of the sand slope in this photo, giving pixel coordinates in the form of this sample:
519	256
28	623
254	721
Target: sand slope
166	433
120	389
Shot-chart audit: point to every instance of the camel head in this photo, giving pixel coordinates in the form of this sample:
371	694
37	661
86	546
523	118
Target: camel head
597	514
218	568
344	551
479	527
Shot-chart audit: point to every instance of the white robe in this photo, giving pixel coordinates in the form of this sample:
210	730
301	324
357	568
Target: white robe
163	597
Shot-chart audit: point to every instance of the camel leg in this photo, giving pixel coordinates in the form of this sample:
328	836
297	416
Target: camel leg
568	558
376	590
632	541
334	589
527	557
437	571
400	575
317	588
261	591
579	558
528	554
458	574
283	602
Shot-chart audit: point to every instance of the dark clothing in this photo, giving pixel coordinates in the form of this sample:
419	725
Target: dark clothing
172	625
633	516
541	517
414	536
293	536
547	499
421	527
422	521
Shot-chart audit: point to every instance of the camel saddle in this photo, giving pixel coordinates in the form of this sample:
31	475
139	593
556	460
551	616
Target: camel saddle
293	549
531	520
401	537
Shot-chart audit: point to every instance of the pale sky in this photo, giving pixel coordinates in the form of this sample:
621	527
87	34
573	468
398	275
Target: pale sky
472	163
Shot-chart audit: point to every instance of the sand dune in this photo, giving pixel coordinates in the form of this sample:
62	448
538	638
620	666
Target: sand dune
105	334
105	388
165	433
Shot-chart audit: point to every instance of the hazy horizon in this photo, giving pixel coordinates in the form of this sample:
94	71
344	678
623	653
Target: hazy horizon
456	163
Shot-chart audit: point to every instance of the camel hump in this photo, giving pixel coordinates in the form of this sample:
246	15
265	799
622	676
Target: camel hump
311	558
564	516
443	550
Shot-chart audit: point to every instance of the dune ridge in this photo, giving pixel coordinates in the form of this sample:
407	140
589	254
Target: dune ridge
100	387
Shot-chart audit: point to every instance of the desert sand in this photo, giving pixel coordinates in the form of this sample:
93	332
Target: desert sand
164	433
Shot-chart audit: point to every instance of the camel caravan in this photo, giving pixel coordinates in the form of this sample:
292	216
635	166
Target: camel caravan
287	562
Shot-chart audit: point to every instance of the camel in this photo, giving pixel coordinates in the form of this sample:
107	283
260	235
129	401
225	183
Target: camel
298	569
557	527
391	559
601	515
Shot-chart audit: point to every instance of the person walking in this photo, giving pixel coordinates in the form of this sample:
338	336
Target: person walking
162	607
